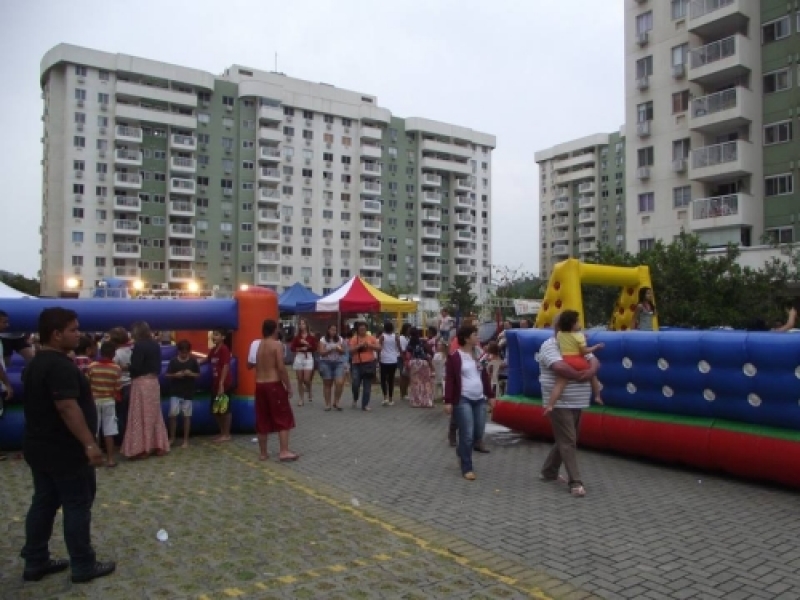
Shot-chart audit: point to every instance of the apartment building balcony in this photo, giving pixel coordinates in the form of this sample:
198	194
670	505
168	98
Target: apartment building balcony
368	151
560	235
372	226
134	110
722	161
269	175
160	94
432	215
127	227
127	203
587	232
370	133
587	217
270	114
721	212
126	250
463	203
587	159
179	185
187	143
431	285
431	250
372	207
370	169
181	208
587	247
268	277
269	154
270	134
446	148
722	61
180	275
370	245
431	268
643	128
371	264
182	164
373	281
123	156
181	231
461	269
431	233
431	179
181	253
716	18
465	252
723	111
132	135
586	187
587	201
560	220
570	176
461	219
372	188
267	257
431	198
127	181
127	272
464	235
463	185
448	166
269	195
560	250
561	207
269	236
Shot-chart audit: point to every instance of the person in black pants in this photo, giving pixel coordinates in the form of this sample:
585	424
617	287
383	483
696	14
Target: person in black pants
390	352
60	449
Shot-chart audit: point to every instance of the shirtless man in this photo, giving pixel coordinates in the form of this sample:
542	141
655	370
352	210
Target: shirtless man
273	392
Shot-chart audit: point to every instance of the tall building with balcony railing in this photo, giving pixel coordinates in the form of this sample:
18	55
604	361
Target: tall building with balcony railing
581	198
709	94
179	178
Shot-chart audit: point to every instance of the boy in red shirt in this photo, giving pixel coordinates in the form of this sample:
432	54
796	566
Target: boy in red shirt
220	360
105	378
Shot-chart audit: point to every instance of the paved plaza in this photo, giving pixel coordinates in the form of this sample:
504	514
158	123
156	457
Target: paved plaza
376	508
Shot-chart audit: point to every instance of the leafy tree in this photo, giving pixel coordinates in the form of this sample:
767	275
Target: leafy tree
460	296
21	283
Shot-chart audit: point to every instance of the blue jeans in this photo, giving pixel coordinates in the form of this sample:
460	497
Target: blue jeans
359	381
471	421
75	494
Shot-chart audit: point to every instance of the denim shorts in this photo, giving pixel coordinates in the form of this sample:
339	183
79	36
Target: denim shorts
330	369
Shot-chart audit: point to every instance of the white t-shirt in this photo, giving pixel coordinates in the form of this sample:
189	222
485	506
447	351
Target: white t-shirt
335	355
471	384
389	349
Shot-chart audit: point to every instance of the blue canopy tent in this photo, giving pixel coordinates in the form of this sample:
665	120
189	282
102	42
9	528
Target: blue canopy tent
296	295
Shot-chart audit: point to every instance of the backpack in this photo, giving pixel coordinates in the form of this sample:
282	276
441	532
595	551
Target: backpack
418	352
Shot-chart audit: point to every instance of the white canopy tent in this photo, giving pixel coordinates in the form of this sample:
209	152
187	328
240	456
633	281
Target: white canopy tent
9	292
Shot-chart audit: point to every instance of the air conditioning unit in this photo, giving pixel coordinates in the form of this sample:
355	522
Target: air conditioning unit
101	153
327	146
643	38
101	200
327	280
80	103
227	234
77	270
101	272
201	210
308	161
202	189
201	253
226	256
327	164
78	244
307	180
327	241
347	130
643	83
79	126
327	203
678	71
78	174
104	107
203	148
289	118
81	80
287	219
308	142
346	262
347	186
679	165
287	178
346	167
306	280
78	198
346	244
308	122
328	126
102	131
287	238
327	183
287	158
228	150
229	108
288	138
306	200
643	129
306	221
227	192
307	240
643	173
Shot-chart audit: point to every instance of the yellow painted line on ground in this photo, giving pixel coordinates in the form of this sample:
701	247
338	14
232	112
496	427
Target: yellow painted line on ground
267	470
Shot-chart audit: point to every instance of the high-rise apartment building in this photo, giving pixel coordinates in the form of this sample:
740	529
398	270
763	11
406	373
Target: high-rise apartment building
711	102
581	198
175	177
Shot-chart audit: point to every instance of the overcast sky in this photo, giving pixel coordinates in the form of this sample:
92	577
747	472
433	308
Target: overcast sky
532	72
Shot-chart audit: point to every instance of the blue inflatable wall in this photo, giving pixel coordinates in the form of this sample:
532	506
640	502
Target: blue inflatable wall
737	376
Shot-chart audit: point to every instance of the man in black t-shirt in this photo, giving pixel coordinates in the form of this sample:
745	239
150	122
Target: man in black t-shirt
182	372
60	449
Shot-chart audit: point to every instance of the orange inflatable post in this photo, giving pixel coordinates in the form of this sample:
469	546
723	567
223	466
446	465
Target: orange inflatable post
198	339
255	305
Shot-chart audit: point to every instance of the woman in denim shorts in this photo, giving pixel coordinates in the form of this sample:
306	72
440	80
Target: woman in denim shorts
331	348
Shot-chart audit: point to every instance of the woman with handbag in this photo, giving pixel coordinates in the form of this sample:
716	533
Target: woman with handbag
389	355
362	373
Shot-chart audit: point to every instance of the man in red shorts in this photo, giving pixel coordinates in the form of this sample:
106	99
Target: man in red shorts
273	392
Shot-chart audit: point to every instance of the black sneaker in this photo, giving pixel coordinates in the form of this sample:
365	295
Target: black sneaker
100	569
451	437
50	567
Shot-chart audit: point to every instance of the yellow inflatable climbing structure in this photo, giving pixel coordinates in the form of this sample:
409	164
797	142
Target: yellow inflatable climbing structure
564	291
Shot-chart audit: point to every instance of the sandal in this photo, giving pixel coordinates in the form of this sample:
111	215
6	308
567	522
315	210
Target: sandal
578	491
327	409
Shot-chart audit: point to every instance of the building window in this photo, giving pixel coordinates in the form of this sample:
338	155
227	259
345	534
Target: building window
777	81
681	196
644	157
680	102
644	112
77	236
776	30
80	94
680	54
104	75
644	22
777	133
779	185
286	270
203	118
227	100
780	235
79	141
679	9
102	98
647	202
647	244
680	149
644	67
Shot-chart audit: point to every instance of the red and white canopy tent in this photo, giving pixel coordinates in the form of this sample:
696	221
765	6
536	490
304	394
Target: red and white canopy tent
358	296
